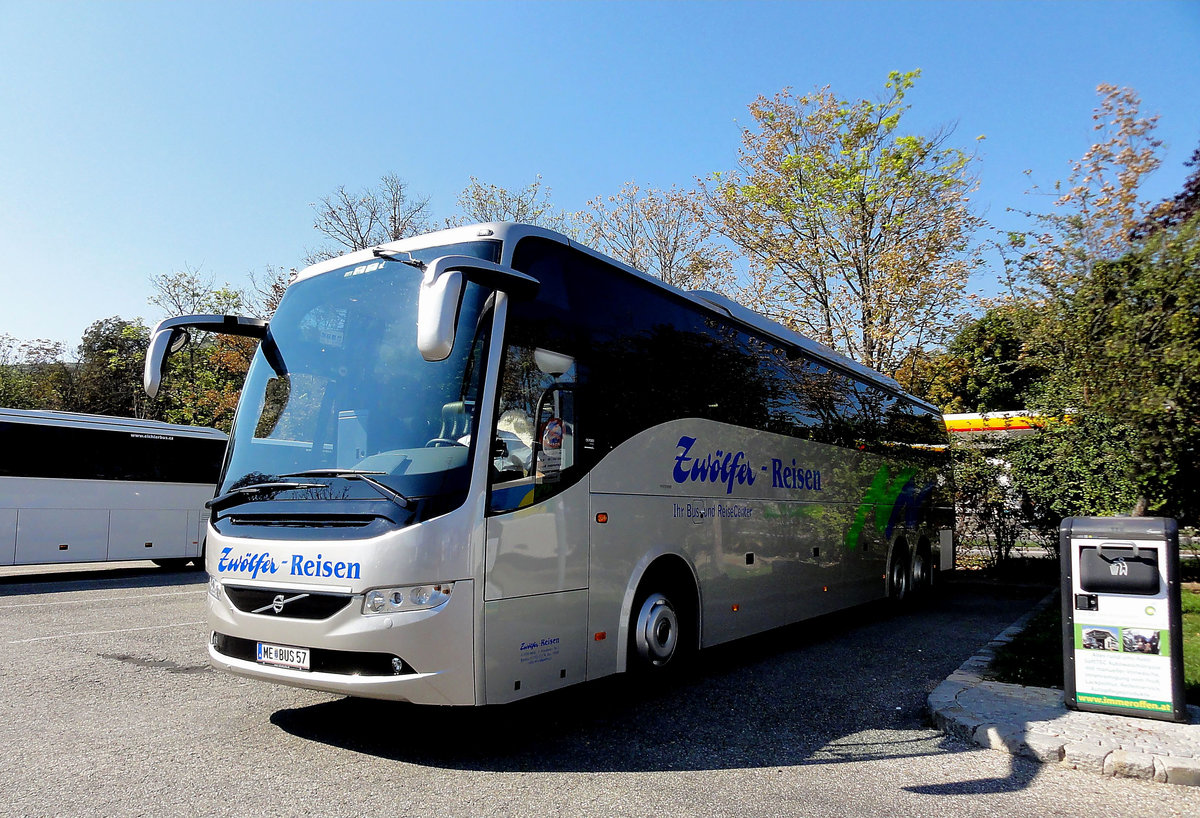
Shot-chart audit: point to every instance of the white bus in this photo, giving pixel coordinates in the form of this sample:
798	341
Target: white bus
89	488
488	462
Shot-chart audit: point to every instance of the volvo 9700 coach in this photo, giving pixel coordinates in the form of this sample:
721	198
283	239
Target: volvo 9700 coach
488	462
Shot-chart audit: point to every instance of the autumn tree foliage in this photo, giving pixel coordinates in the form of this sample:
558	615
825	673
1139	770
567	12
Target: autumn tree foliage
484	202
1105	286
1098	209
859	233
659	232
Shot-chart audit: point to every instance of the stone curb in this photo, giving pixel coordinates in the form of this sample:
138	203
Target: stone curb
1033	722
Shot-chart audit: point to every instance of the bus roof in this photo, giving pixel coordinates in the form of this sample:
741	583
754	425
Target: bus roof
510	232
80	420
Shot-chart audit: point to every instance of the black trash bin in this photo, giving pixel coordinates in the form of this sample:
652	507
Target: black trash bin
1122	627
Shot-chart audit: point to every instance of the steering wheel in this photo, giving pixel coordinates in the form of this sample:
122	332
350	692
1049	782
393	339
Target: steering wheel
444	441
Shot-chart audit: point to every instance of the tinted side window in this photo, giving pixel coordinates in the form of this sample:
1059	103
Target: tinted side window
646	356
67	452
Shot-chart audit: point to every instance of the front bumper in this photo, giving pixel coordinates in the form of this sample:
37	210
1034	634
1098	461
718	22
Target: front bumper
352	653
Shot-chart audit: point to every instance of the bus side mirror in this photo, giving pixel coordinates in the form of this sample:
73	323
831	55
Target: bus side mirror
171	335
437	313
441	294
164	344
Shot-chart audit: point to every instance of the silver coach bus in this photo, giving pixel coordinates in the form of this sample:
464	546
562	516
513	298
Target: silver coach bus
487	462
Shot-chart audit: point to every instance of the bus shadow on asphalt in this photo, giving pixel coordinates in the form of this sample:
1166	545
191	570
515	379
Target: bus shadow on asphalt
845	688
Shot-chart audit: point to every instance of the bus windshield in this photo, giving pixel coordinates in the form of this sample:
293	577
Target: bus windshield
339	385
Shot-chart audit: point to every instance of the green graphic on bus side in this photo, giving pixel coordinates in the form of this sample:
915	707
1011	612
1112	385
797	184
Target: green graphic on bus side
793	512
882	495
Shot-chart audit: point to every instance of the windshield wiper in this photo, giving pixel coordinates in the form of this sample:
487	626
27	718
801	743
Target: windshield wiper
394	255
241	493
358	474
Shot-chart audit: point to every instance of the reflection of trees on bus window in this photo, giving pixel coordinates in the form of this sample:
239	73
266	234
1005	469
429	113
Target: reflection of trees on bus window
291	407
647	357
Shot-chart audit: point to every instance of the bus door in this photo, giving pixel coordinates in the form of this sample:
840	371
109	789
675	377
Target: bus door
536	561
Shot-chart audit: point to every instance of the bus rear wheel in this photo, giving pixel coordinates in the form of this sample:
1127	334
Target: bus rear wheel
899	578
922	571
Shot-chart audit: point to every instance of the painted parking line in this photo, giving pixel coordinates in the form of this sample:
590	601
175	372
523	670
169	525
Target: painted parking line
97	599
103	633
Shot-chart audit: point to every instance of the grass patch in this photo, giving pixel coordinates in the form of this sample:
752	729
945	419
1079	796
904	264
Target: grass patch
1035	656
1190	604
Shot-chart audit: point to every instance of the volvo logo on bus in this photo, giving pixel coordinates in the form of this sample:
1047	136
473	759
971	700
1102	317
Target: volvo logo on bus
276	604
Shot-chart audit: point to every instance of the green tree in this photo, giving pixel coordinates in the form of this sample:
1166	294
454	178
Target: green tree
1083	466
988	512
1116	281
1137	355
33	375
203	384
111	355
859	234
992	364
190	291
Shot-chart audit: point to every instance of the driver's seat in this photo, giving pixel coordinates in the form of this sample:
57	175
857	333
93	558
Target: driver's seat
456	423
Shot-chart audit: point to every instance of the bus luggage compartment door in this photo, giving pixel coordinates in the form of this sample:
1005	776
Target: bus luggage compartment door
534	644
146	534
46	535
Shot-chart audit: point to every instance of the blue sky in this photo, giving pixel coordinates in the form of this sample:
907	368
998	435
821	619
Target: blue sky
136	138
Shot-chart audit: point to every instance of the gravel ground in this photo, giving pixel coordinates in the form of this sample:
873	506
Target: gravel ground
108	707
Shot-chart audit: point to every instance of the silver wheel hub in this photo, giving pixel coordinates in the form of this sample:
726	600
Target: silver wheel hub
899	579
657	632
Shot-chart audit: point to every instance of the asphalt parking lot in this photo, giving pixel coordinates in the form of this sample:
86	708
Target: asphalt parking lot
108	707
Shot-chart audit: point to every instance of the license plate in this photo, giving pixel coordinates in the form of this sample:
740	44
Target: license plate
283	656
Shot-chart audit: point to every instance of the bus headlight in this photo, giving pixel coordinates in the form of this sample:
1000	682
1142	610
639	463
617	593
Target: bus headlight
410	598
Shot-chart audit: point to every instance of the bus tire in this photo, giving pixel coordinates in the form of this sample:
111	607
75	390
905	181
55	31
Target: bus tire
899	576
922	570
661	628
656	631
